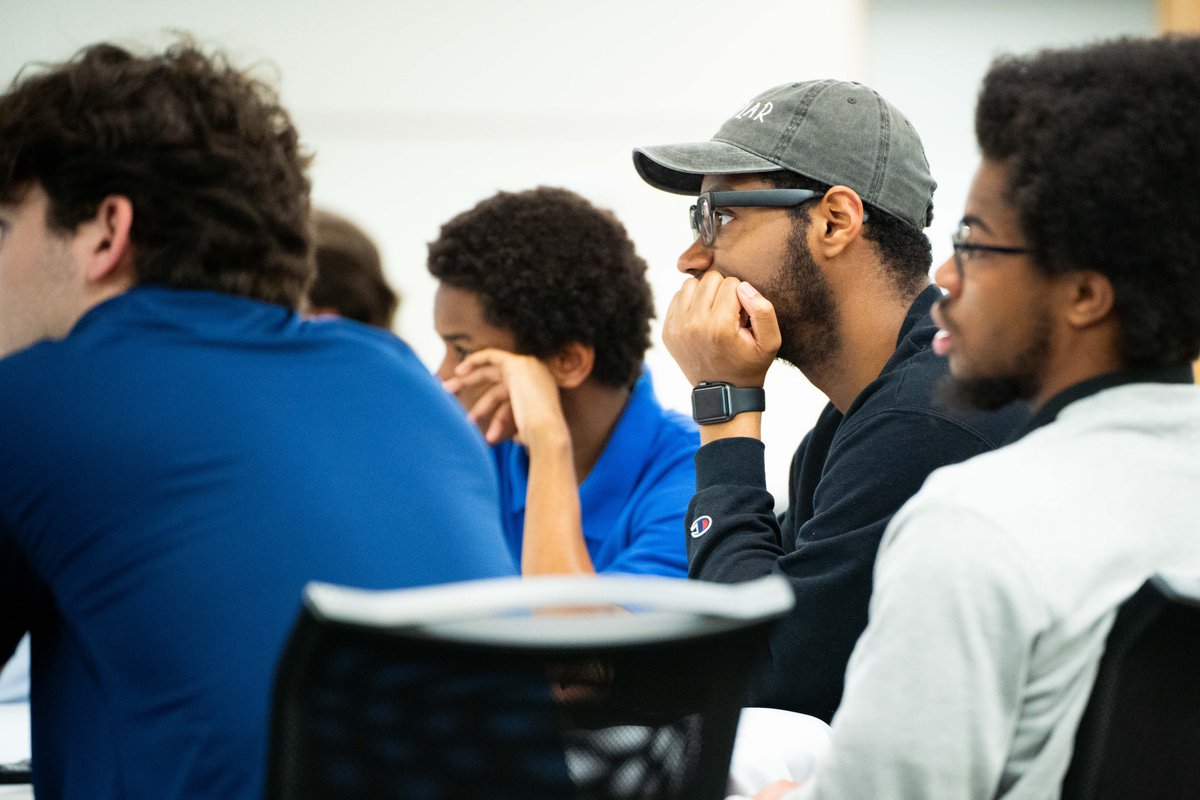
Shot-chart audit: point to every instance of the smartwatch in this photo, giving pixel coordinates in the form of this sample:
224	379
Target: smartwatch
720	402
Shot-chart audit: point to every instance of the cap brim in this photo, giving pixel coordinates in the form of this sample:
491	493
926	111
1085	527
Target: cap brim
680	168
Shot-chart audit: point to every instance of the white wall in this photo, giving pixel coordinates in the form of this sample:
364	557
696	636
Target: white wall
929	58
417	110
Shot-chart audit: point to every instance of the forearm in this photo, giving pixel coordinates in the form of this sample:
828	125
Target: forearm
553	541
747	425
740	539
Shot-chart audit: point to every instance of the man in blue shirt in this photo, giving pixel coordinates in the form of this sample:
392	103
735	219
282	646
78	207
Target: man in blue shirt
545	311
181	451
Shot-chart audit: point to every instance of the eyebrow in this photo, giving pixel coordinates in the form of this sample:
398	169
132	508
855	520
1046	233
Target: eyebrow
456	337
975	222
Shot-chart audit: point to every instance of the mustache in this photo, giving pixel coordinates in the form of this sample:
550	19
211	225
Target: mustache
942	318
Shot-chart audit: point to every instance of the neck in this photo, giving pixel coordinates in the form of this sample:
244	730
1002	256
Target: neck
591	411
869	323
1087	356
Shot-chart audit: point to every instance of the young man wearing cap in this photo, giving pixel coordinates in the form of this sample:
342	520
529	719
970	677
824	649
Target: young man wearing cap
1073	285
809	248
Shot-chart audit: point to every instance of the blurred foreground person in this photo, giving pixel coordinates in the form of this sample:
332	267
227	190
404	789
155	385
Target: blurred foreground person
182	451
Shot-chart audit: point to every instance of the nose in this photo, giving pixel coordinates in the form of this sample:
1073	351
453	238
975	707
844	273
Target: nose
947	277
696	260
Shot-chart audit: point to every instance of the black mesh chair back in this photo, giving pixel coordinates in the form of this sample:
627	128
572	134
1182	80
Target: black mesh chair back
1140	733
553	688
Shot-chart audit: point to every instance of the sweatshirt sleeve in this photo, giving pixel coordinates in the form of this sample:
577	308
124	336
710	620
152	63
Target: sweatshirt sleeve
874	465
733	534
934	688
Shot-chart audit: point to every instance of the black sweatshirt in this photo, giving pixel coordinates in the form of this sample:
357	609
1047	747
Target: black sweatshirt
849	476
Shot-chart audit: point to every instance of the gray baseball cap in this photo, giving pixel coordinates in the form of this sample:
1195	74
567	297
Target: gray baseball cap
835	132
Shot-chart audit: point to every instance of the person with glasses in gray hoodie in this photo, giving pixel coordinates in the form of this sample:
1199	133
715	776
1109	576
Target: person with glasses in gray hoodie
1073	285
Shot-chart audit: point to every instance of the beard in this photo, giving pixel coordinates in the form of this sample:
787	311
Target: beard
1020	379
804	307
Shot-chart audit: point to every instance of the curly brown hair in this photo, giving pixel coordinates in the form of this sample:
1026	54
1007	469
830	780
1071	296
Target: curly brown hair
553	269
205	153
1102	148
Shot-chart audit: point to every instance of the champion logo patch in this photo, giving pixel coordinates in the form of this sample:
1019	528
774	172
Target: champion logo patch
700	526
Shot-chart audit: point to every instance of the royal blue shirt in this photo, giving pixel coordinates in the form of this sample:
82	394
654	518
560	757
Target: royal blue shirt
633	501
171	475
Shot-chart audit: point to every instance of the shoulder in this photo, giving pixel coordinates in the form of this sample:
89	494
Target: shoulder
985	495
668	431
962	518
677	432
910	391
355	335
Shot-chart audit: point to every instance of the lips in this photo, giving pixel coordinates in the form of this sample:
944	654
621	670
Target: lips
942	343
943	340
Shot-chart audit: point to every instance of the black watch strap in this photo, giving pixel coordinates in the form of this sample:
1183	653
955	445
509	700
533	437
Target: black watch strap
720	402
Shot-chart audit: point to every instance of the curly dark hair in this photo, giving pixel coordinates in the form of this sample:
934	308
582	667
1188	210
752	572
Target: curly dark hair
350	277
206	155
553	269
904	251
1102	150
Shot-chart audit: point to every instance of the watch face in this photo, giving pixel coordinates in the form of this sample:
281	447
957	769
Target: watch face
710	404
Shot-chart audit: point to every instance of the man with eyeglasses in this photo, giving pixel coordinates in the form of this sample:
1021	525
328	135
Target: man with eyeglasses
1074	285
809	248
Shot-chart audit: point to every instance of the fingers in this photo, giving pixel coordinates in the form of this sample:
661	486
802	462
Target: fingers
719	328
488	403
764	325
503	425
489	356
709	297
472	380
478	369
707	290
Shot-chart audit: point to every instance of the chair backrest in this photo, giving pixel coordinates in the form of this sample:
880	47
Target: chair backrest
1140	733
580	688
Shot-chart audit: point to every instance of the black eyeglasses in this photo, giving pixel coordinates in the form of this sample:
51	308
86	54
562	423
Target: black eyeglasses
706	214
965	251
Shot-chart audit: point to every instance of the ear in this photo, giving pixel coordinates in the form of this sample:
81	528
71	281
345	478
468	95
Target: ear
1089	298
103	244
838	220
572	365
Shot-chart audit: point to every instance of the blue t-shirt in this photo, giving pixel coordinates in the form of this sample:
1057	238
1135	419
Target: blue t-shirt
171	475
635	498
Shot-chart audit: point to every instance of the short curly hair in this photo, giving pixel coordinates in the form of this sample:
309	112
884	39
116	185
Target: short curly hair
1102	150
553	269
905	253
206	155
